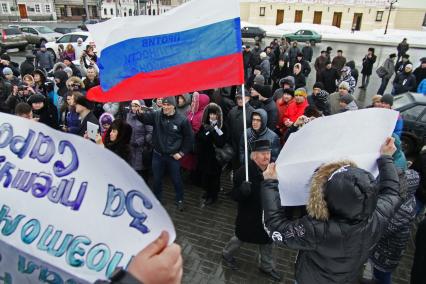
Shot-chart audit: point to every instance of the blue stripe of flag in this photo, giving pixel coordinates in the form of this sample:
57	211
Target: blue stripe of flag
130	57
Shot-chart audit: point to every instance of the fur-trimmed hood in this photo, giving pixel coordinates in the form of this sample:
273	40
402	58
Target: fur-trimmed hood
212	107
342	191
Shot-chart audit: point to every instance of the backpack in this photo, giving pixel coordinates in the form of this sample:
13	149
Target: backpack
381	72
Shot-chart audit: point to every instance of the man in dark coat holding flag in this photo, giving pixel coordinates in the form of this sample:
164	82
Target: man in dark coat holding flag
248	225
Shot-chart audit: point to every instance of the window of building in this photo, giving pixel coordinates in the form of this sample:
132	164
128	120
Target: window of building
4	8
125	14
262	11
112	11
105	11
379	16
37	8
47	8
130	12
424	21
153	12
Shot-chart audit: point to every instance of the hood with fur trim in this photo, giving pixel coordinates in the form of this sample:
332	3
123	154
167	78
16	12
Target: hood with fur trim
212	107
343	192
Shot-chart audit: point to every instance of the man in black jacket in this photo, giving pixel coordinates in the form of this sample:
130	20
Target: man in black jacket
27	67
84	109
347	213
248	224
172	138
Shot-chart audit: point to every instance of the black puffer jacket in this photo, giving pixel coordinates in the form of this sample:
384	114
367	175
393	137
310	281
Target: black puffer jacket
344	220
388	251
171	134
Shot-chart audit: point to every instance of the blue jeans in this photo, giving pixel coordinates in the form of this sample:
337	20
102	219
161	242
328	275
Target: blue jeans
382	277
159	165
383	86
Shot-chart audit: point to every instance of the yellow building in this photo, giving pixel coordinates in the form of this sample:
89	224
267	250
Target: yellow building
347	14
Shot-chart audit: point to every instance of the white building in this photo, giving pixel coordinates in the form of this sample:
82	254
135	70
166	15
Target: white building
117	8
157	7
35	10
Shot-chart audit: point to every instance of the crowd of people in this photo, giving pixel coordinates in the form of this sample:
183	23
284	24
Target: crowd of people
200	134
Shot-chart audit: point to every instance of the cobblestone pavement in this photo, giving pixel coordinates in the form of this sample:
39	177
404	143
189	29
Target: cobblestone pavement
203	232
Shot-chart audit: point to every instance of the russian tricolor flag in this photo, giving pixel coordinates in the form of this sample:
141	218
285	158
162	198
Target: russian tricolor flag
196	46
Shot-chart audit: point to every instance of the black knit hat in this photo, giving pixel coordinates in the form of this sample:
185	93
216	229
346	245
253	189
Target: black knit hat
387	99
347	99
83	101
318	85
36	98
289	92
170	100
265	90
5	56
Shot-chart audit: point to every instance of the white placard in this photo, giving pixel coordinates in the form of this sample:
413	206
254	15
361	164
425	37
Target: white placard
71	203
354	135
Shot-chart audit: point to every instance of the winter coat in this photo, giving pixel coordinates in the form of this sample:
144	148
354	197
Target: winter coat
141	137
389	66
183	109
420	74
282	107
271	109
195	114
351	81
338	62
90	84
292	54
404	82
83	126
422	87
320	63
235	125
300	80
62	86
27	67
48	115
308	52
121	146
265	69
256	57
207	139
367	65
294	111
320	101
388	252
306	68
44	60
264	133
277	74
418	272
247	59
171	134
402	48
248	224
335	238
5	91
75	70
72	121
329	78
354	71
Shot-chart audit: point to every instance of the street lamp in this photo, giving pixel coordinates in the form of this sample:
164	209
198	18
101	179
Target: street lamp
391	3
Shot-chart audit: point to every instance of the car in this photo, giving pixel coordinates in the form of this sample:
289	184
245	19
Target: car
255	33
88	22
39	35
12	38
65	30
412	107
304	35
72	38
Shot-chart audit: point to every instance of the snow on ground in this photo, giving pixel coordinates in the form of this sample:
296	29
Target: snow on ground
331	33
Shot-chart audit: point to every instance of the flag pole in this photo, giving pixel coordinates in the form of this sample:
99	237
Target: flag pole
245	131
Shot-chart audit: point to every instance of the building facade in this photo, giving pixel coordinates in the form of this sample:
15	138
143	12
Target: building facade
34	10
74	9
117	8
361	15
157	7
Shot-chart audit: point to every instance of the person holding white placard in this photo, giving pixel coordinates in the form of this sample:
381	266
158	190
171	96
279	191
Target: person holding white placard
347	213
